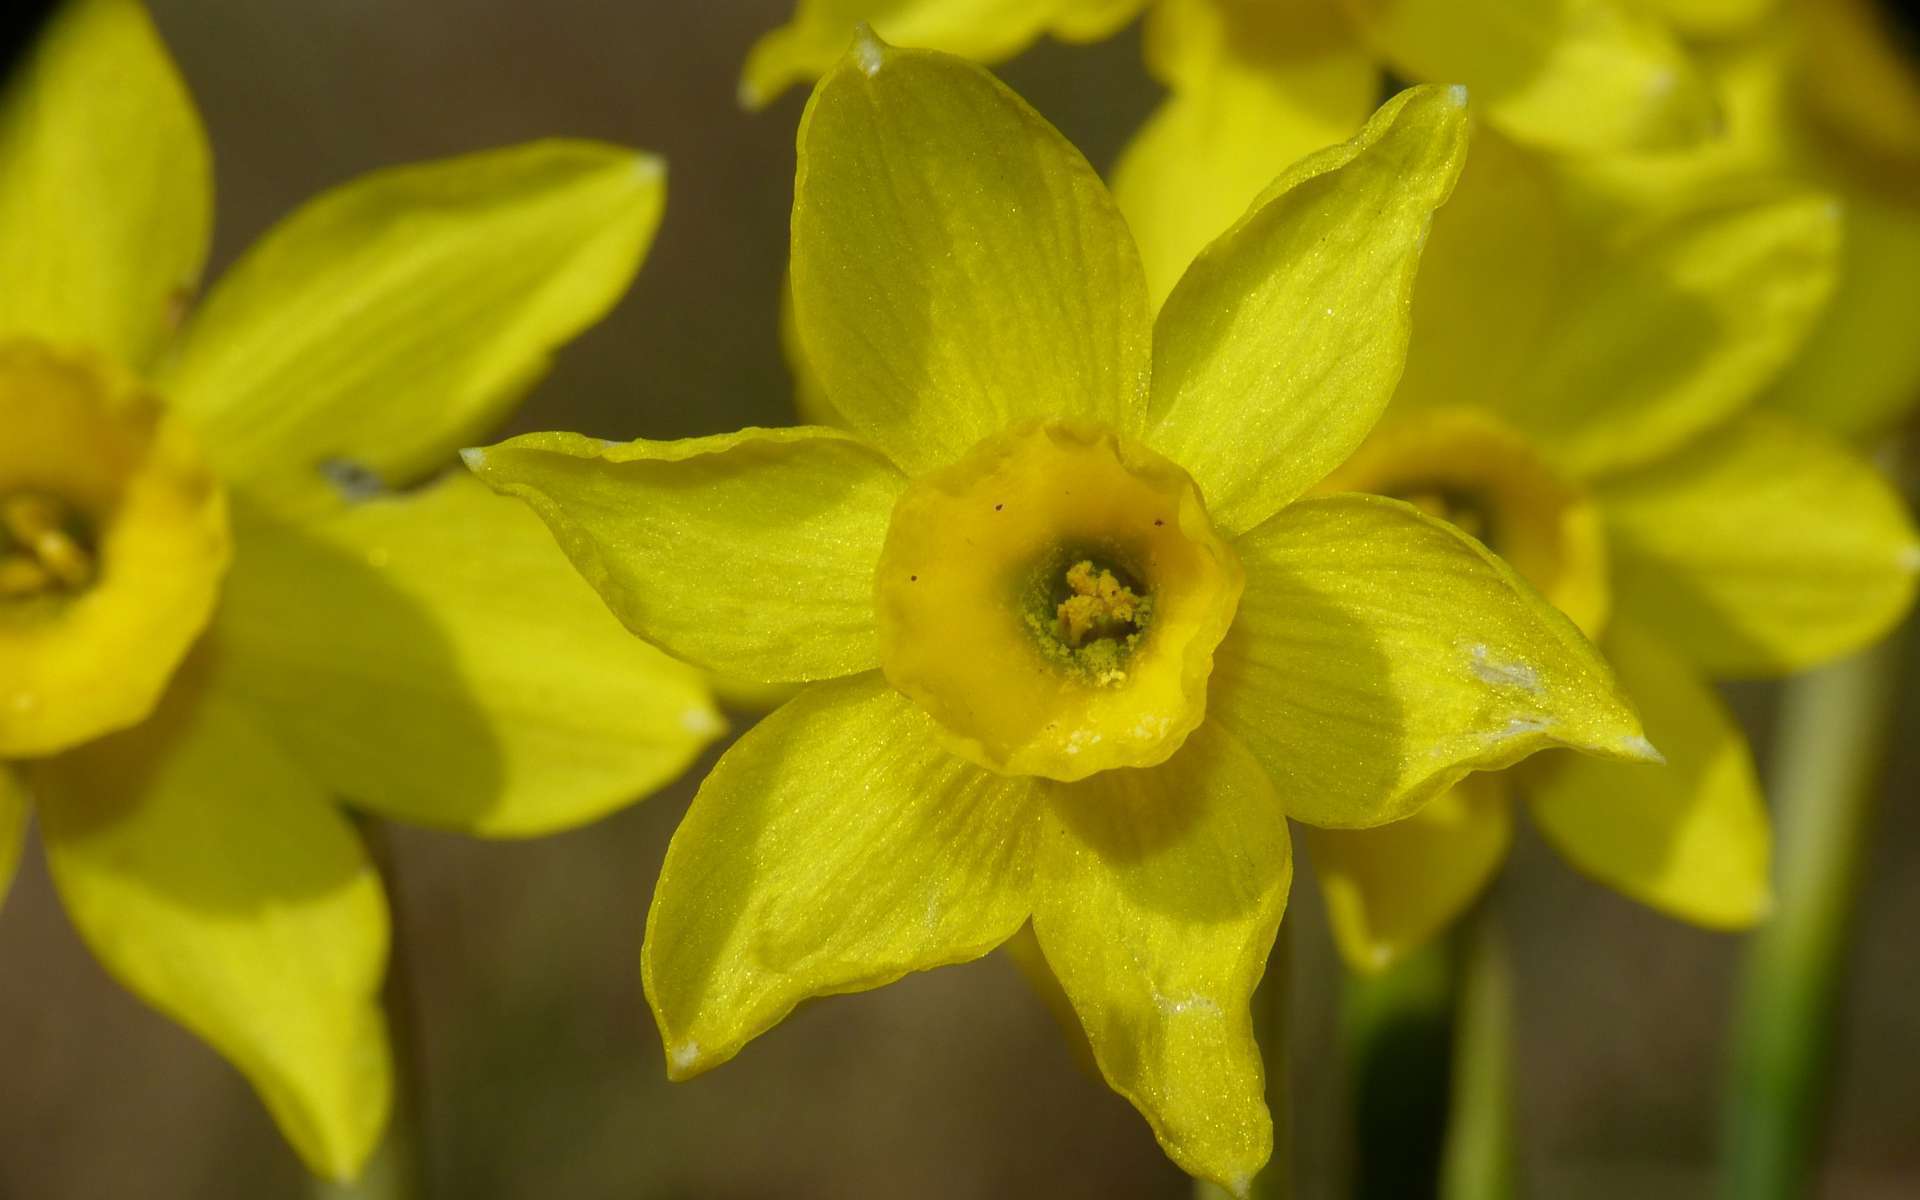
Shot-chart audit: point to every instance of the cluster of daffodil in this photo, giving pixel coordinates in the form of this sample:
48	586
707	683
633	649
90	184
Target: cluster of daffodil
1342	457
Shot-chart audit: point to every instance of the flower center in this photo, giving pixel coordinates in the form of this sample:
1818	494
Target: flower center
113	539
1054	599
1467	468
44	548
1090	618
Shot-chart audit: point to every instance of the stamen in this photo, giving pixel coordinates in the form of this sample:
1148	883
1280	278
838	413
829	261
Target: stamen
1088	619
1100	605
40	549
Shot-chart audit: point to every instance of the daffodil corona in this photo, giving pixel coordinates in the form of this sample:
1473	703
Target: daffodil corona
204	638
1077	646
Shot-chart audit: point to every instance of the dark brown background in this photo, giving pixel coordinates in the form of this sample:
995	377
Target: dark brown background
545	1071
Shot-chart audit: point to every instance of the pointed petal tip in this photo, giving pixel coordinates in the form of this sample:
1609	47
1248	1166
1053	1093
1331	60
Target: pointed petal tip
683	1061
1457	95
868	50
1639	749
474	456
703	721
649	168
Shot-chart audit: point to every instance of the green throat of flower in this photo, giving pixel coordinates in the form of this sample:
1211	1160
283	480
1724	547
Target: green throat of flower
1465	511
1088	617
44	548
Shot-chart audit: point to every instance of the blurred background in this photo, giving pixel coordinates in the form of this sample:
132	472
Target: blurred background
544	1074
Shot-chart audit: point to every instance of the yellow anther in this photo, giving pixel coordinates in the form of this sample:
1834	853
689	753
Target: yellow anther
1099	602
37	526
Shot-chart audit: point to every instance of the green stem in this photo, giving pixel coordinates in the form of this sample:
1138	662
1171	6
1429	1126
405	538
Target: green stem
1430	1070
1836	725
397	1170
1271	1024
1477	1161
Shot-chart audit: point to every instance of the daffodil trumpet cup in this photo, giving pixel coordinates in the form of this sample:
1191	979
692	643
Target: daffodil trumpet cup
1074	639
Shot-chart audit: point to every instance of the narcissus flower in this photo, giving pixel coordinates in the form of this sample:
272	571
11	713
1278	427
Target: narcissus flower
1077	646
1591	338
982	30
210	625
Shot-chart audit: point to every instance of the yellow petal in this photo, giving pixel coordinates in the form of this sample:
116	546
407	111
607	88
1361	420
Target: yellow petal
1380	655
394	318
815	37
1689	838
1489	279
1023	949
1581	75
217	882
129	512
1390	890
1255	86
1667	332
14	812
748	553
1714	18
106	186
1159	893
1291	328
957	266
1761	549
1860	369
1861	81
809	398
433	657
834	848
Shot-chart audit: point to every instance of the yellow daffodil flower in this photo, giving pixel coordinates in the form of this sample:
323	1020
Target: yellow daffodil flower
983	30
1076	644
1591	337
1577	75
211	628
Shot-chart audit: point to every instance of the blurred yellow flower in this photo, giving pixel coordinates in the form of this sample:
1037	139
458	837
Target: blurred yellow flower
1828	92
210	623
984	30
1051	682
1592	334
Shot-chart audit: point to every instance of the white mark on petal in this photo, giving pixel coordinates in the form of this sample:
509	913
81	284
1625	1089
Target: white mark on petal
474	456
1504	674
869	51
1195	1003
685	1055
1457	95
1641	748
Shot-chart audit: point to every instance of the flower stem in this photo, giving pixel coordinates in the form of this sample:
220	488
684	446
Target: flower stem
397	1170
1836	732
1836	726
1271	1025
1477	1160
1430	1070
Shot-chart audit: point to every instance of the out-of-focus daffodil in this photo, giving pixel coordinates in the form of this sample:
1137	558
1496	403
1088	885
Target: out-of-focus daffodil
1828	91
1590	339
984	30
210	628
1075	642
